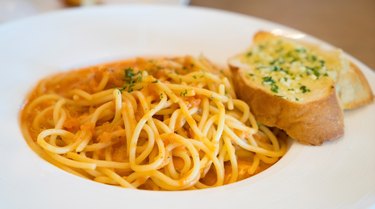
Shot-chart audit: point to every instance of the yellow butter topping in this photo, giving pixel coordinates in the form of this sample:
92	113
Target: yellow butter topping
289	69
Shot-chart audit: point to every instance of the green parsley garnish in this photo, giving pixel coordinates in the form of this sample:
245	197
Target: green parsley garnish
304	89
300	50
274	88
268	80
312	58
131	78
311	70
276	68
183	93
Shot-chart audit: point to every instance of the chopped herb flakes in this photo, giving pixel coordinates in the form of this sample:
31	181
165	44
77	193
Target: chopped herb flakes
300	50
314	71
304	89
276	68
283	66
261	46
184	92
131	78
268	80
274	88
312	58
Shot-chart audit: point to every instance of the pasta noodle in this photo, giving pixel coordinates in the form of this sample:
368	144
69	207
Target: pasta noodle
155	124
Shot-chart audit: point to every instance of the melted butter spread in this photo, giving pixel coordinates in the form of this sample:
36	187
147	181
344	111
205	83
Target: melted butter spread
289	69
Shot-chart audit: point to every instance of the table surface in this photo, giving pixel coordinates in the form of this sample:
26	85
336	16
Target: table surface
347	24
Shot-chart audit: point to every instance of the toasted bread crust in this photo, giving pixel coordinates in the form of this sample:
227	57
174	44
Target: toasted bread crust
355	89
316	118
310	123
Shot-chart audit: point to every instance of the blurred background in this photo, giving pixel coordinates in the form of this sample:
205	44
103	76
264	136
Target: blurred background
347	24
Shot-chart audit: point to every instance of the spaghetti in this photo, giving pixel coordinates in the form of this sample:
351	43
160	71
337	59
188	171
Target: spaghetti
155	124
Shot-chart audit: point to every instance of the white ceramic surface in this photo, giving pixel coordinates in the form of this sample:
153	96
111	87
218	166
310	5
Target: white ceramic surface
16	9
339	174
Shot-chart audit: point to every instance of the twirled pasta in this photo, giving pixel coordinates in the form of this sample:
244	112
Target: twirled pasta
156	124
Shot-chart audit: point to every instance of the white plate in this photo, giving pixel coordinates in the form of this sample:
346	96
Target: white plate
340	174
15	9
